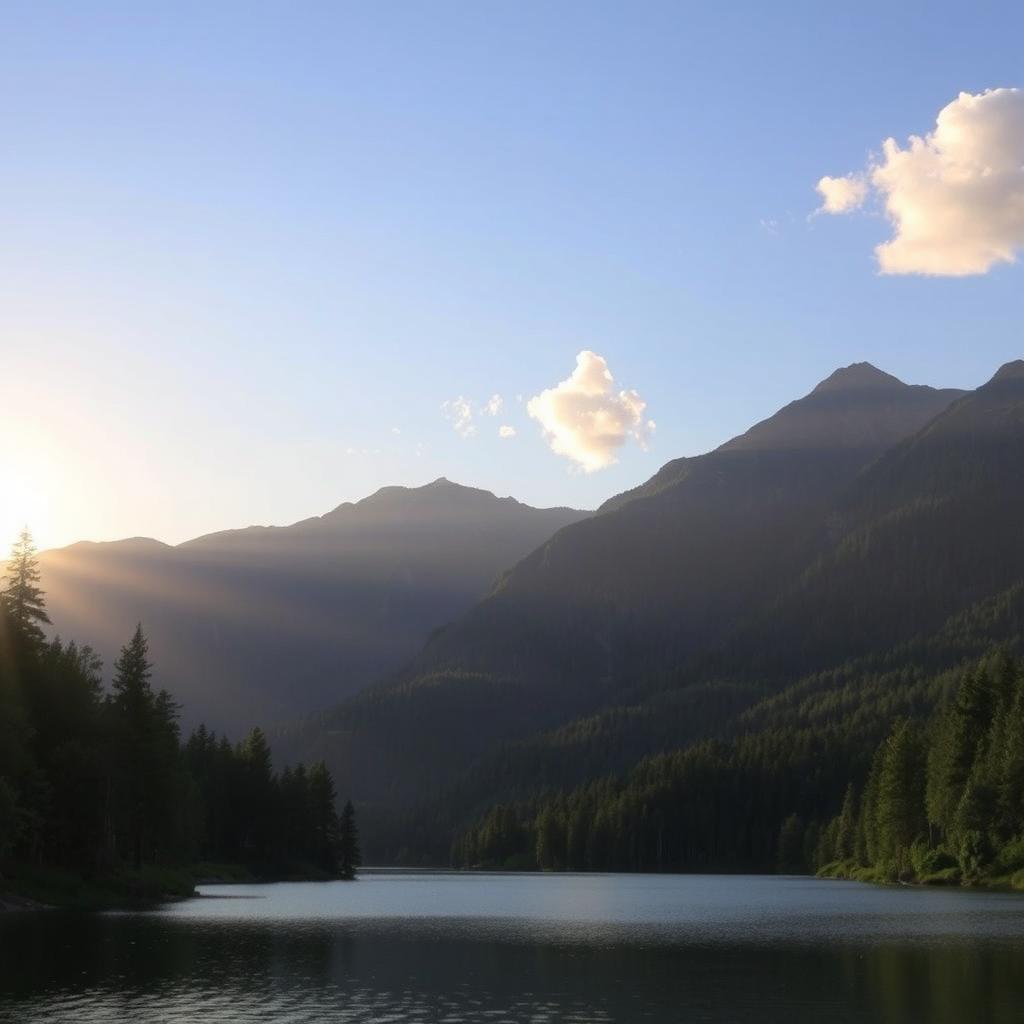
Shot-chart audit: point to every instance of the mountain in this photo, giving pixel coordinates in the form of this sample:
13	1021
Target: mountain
931	528
265	623
616	637
896	639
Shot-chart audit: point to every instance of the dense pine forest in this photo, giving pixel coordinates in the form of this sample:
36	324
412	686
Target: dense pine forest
940	801
101	801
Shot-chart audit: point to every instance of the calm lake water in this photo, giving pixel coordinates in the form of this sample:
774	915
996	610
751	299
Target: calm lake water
553	948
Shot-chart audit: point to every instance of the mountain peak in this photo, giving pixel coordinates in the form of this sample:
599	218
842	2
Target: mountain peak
1013	370
858	406
857	376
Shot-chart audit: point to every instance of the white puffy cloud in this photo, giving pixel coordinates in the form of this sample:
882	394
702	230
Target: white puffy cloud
955	197
493	405
585	419
505	431
841	195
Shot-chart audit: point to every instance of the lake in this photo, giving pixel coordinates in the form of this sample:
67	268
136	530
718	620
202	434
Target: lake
456	948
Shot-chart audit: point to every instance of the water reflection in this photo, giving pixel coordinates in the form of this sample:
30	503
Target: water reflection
267	960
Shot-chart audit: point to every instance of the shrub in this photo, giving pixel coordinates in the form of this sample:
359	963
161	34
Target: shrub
1010	858
927	860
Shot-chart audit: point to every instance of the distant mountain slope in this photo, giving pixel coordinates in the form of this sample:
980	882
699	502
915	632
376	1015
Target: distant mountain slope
932	527
649	581
265	623
857	409
640	599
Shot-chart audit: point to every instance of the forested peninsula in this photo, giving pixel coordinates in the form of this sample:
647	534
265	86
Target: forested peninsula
103	804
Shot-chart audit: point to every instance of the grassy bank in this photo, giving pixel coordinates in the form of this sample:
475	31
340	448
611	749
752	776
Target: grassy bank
29	886
947	875
68	890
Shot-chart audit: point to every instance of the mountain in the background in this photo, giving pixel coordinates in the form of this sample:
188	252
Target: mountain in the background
931	528
649	625
257	624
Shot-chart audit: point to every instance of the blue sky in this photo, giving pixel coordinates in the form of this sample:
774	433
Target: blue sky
244	244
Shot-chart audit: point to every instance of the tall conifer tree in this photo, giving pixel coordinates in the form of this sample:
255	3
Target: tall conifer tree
22	596
350	857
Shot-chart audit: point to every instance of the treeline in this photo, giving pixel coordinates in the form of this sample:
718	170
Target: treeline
939	799
247	814
943	802
97	780
711	807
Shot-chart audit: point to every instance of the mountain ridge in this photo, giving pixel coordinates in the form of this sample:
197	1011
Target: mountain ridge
639	596
263	623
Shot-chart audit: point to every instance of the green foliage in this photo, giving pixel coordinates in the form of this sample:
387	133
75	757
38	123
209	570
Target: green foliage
350	857
788	798
790	853
101	804
21	594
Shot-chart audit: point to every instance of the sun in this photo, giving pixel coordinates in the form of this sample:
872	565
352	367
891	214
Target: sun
22	505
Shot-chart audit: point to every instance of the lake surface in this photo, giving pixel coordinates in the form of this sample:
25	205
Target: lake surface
457	948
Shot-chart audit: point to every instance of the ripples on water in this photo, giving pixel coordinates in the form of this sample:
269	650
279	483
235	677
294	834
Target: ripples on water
455	949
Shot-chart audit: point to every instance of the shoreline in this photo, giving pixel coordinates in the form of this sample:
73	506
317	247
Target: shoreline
13	903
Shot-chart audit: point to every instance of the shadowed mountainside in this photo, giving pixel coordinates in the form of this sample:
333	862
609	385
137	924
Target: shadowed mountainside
650	624
265	623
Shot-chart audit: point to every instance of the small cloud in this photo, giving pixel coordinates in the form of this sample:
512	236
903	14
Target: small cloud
955	196
396	431
769	224
585	419
460	412
841	195
506	431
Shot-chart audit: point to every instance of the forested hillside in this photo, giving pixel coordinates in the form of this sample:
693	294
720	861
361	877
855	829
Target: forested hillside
101	803
756	618
267	623
940	799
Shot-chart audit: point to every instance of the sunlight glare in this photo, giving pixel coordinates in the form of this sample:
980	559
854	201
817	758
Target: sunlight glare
21	504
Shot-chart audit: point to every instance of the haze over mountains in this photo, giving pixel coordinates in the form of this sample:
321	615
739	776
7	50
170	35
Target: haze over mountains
262	624
863	518
789	586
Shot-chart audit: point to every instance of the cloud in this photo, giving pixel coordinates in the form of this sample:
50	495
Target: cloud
954	197
460	412
841	195
584	418
505	431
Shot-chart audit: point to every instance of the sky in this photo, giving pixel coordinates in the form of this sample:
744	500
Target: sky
257	259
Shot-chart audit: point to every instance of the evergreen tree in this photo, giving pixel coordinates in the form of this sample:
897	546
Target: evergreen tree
22	596
324	826
959	739
790	855
144	733
846	830
256	803
1011	769
900	817
349	856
